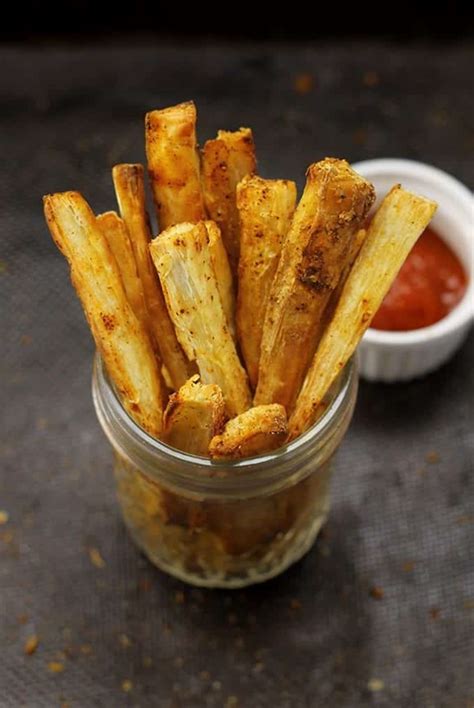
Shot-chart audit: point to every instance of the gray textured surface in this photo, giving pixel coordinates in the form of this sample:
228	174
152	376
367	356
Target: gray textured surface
313	637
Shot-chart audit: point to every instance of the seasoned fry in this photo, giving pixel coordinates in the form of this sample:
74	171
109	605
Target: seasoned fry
118	334
193	416
225	161
254	432
352	254
130	191
397	224
116	234
220	263
265	208
332	209
182	259
173	164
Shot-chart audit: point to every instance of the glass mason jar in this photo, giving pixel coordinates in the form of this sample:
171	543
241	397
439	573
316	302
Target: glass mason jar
223	524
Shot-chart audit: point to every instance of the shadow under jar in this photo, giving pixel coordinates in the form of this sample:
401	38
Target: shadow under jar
224	524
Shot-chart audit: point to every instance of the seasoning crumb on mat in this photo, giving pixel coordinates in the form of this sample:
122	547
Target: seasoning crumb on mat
435	613
408	566
124	641
204	675
432	457
86	649
31	644
41	424
371	78
147	662
96	558
231	702
304	83
4	516
179	597
375	684
295	604
56	667
144	584
216	685
126	686
377	592
359	136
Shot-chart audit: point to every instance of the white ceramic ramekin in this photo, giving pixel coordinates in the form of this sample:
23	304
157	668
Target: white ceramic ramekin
401	356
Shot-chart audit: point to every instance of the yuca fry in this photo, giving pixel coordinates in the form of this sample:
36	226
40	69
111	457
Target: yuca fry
254	432
193	416
220	263
116	234
173	164
130	191
118	333
225	161
265	208
182	259
352	254
332	209
397	224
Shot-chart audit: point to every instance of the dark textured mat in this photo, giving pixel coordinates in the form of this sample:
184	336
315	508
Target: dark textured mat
315	636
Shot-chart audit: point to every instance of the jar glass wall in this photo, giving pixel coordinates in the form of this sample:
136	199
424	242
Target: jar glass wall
223	524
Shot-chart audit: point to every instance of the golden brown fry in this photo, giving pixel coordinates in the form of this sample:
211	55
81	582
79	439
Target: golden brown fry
130	191
173	164
397	224
193	416
220	263
116	234
352	254
182	259
265	208
118	334
225	161
332	209
254	432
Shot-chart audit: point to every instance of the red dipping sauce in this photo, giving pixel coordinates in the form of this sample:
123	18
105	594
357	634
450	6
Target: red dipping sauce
429	285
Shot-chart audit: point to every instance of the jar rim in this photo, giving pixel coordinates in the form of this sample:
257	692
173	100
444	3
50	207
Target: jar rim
185	468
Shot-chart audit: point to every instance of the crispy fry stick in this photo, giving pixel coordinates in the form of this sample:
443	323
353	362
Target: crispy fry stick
220	263
173	164
130	191
116	234
352	254
118	334
332	209
225	161
265	208
397	224
182	259
254	432
193	416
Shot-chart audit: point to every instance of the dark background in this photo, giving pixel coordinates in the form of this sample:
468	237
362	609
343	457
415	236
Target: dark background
77	20
76	81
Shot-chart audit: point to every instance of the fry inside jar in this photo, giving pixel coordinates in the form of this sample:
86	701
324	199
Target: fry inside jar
333	208
183	260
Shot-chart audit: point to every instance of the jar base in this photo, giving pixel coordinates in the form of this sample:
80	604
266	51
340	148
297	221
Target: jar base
298	550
